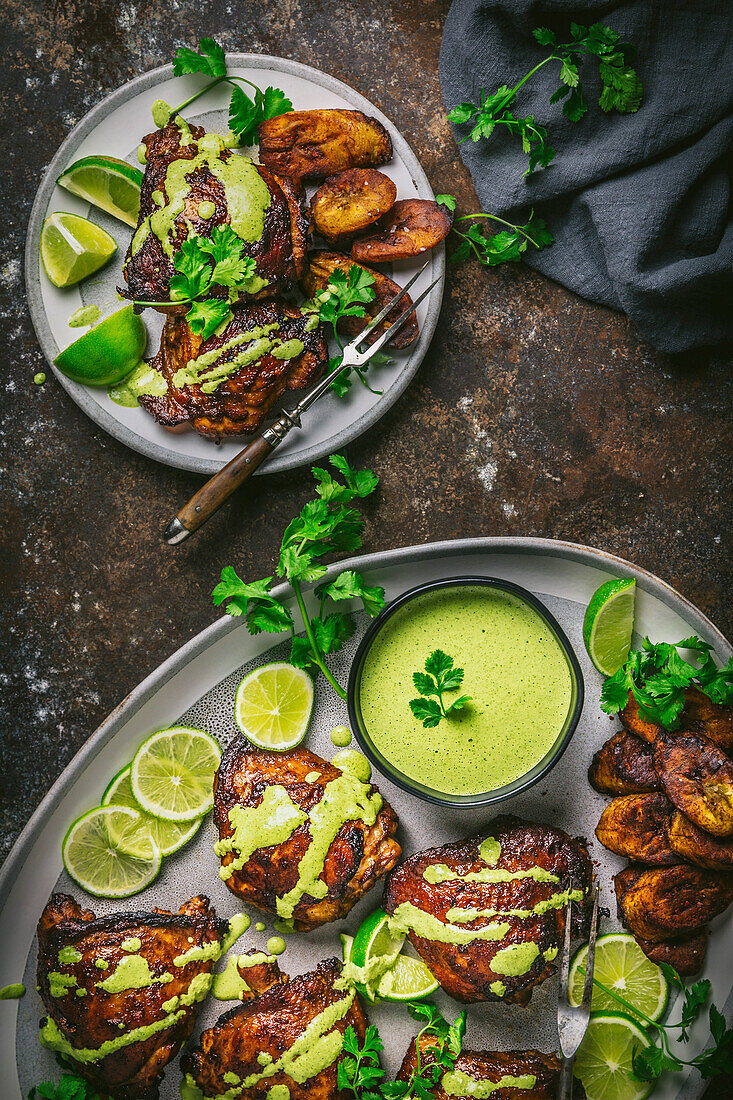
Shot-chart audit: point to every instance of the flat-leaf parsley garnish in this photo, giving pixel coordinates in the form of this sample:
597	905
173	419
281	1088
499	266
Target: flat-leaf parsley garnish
505	246
347	295
440	675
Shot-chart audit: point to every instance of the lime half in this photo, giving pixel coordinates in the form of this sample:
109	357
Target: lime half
604	1061
273	706
168	835
378	968
172	775
623	967
72	248
110	853
609	623
110	184
106	353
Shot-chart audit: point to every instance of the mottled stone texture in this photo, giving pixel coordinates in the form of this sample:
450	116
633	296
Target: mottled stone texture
535	413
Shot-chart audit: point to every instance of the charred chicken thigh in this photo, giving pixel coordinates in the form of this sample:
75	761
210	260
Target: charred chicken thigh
299	838
122	992
487	914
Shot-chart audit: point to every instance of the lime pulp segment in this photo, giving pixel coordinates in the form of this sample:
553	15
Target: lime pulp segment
622	967
609	623
604	1060
107	352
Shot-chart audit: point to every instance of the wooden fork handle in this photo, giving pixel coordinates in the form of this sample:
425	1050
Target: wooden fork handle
219	488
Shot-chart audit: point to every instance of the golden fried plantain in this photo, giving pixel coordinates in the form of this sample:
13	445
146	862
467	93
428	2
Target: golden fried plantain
700	715
307	145
351	201
412	226
687	956
637	826
623	766
322	267
671	903
698	778
699	847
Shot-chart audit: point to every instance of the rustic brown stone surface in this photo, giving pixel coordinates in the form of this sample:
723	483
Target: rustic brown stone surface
535	413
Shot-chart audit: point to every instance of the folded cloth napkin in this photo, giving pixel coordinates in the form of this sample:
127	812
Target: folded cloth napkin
639	204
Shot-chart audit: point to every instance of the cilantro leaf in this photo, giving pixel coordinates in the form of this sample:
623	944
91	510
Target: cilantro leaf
650	1062
350	585
361	482
446	200
205	317
193	274
209	60
70	1087
246	113
331	632
440	676
427	711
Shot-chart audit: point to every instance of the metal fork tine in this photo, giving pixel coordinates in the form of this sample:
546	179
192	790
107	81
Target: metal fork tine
353	344
565	960
590	961
365	356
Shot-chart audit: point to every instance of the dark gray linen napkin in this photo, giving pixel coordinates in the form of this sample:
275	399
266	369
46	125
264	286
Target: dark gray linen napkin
640	205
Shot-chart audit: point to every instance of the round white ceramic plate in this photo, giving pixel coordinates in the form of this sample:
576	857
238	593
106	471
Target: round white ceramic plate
196	686
115	127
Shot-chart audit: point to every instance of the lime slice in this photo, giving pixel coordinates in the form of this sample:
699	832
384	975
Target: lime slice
112	185
106	353
172	775
168	835
273	706
603	1062
608	624
379	970
110	853
72	248
407	980
623	967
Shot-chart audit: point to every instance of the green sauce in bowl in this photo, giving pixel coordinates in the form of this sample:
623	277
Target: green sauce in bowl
522	680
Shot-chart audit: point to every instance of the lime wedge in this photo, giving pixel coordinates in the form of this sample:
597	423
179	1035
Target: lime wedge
168	835
273	706
110	184
110	853
172	774
106	353
407	980
72	248
609	623
623	967
603	1062
379	971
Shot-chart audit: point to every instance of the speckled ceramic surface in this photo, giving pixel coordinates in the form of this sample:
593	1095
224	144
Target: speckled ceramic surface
115	127
197	686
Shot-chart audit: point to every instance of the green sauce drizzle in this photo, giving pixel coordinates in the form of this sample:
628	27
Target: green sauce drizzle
229	985
272	822
498	988
51	1038
341	736
353	762
69	955
276	945
144	379
238	925
12	992
408	918
133	972
515	959
83	316
134	943
440	872
60	984
458	1083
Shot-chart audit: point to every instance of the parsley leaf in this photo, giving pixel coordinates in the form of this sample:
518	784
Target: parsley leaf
193	274
209	59
657	675
324	525
650	1062
205	317
70	1087
440	676
347	295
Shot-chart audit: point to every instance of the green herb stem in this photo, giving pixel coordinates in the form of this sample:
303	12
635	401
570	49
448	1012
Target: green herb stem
212	84
311	638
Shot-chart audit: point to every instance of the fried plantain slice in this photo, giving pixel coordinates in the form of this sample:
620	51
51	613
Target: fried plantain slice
306	145
322	267
412	226
699	847
351	201
623	766
698	778
637	826
687	956
700	715
671	903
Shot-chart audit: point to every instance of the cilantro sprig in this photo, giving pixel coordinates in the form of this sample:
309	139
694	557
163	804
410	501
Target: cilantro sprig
347	295
326	525
440	675
70	1087
359	1071
657	675
621	90
245	112
506	246
651	1061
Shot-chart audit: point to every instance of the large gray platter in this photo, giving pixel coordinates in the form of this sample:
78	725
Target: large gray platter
197	685
115	127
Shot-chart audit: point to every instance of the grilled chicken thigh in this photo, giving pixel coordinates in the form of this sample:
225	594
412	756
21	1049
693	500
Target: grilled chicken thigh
299	838
227	384
132	980
176	203
527	1074
288	1035
487	914
623	766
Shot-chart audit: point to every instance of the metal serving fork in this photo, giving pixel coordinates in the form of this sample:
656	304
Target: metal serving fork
220	487
572	1020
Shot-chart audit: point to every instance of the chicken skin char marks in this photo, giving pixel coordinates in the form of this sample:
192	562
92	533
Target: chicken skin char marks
529	1074
487	915
279	249
228	384
623	765
289	1034
318	845
136	980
